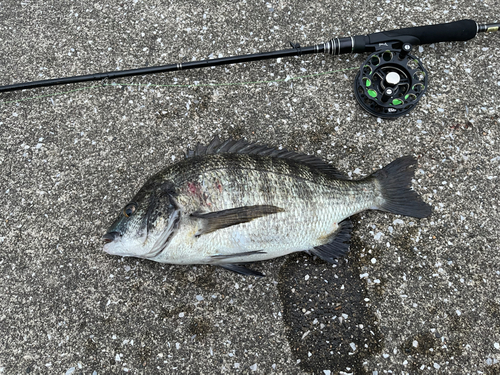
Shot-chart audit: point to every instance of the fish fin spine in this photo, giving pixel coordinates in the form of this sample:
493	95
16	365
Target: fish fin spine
231	146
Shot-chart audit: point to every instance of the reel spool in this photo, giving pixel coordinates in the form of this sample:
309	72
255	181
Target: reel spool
390	82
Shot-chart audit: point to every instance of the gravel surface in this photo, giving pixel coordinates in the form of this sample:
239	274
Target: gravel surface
412	296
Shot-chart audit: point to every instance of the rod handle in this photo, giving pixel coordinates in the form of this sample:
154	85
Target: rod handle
443	32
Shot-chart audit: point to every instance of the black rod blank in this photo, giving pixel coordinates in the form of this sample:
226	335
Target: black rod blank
165	68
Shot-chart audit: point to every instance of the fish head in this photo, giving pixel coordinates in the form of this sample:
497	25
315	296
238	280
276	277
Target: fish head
146	224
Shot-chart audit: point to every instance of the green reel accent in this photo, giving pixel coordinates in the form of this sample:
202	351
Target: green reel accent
372	93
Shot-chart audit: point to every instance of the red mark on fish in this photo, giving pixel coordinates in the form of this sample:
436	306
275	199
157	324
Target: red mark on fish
218	186
192	188
196	190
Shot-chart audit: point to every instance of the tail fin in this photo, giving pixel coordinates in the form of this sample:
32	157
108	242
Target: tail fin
395	185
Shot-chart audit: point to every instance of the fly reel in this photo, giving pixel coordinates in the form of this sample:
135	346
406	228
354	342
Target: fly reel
390	82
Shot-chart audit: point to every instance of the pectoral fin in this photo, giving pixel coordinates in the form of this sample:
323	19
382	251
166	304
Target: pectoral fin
213	221
237	255
338	245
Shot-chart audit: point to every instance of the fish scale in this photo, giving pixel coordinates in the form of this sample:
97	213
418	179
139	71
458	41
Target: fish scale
233	202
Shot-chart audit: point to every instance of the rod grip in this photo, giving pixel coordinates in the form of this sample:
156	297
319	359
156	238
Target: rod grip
444	32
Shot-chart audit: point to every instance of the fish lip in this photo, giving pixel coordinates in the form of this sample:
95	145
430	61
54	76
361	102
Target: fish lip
110	237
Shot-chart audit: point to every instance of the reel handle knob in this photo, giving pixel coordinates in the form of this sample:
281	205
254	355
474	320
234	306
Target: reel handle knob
405	50
388	92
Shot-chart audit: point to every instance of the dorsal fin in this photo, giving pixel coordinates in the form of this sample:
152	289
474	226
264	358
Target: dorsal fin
243	147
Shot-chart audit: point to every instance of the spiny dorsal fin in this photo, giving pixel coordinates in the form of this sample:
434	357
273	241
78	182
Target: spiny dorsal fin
216	146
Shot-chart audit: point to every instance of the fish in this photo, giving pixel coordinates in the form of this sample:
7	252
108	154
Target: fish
230	203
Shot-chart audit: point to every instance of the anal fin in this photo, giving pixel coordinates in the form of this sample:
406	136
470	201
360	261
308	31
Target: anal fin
241	270
338	246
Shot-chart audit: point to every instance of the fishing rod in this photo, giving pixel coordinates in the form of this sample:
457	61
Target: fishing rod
390	81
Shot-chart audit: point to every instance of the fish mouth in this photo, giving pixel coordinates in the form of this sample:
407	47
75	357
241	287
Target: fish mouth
110	237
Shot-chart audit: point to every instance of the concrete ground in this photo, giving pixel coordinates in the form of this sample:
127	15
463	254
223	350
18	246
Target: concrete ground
413	296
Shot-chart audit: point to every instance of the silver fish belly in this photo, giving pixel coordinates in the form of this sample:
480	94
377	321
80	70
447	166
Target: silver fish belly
234	202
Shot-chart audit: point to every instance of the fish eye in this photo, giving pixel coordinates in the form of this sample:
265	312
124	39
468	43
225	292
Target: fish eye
129	209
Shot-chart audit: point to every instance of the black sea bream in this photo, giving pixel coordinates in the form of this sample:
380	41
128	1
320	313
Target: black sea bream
234	202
